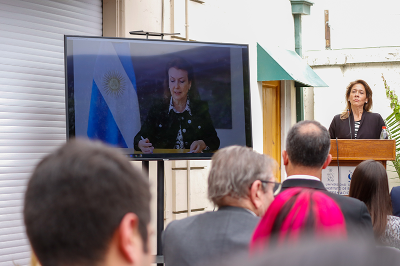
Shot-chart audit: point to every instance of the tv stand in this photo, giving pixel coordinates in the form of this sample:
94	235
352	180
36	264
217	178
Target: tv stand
160	206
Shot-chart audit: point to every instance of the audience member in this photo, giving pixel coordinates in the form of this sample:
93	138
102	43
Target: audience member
86	205
297	214
369	184
241	184
317	253
306	154
395	196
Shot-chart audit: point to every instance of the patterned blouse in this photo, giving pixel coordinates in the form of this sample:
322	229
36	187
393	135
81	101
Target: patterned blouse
391	237
179	138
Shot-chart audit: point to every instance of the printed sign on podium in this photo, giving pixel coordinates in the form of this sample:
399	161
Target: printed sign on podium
331	182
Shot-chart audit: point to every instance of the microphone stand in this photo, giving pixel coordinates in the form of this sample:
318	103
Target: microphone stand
351	134
338	167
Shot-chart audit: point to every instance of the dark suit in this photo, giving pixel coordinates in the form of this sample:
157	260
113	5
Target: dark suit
355	212
395	196
370	127
161	126
208	236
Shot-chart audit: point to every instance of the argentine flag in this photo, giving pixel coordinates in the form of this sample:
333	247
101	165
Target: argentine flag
114	109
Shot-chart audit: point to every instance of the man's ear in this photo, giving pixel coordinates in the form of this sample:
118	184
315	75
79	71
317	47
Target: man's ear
327	162
256	191
130	242
285	157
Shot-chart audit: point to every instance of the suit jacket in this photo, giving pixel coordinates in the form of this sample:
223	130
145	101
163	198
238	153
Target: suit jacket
161	126
395	196
355	212
208	236
370	126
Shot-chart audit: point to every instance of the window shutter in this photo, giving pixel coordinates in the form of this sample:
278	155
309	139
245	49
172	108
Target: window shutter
32	99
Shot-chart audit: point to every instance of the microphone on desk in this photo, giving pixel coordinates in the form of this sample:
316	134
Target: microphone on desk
351	135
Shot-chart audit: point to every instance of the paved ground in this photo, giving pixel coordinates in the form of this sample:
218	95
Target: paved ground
394	179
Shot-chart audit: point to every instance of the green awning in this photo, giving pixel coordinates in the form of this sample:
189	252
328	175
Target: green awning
281	64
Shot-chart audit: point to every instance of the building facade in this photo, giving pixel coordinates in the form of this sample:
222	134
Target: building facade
32	99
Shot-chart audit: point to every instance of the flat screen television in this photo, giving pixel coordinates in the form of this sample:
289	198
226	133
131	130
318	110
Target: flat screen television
158	99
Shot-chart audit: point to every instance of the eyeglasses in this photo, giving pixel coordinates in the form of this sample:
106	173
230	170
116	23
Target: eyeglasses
277	186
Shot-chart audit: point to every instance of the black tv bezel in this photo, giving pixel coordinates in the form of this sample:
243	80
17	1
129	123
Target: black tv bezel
167	156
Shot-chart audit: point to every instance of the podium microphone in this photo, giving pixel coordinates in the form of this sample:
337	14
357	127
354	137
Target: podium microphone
338	167
351	135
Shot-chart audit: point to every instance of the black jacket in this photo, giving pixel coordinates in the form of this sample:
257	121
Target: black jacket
161	126
370	127
395	196
355	212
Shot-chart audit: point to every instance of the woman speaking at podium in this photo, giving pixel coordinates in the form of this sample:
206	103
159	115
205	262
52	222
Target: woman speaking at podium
357	122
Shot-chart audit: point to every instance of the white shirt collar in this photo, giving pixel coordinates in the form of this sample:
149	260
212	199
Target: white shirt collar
250	212
187	108
308	177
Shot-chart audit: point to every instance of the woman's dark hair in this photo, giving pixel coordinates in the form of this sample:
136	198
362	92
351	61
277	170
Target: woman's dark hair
182	64
368	91
369	184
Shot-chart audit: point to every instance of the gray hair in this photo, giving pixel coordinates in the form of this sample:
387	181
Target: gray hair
234	169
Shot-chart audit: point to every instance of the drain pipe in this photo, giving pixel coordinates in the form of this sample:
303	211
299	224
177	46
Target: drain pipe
299	8
187	19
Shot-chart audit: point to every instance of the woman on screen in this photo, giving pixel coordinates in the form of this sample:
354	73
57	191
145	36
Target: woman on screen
181	120
357	122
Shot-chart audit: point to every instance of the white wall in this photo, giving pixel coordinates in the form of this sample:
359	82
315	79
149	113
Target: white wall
142	15
354	24
331	101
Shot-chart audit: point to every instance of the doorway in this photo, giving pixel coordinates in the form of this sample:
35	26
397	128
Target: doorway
271	100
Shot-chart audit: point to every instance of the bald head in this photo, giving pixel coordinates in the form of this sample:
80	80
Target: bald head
308	128
308	144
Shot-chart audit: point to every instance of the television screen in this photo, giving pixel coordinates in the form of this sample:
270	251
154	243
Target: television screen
158	99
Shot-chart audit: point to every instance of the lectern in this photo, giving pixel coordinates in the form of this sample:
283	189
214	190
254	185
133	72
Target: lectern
347	154
351	152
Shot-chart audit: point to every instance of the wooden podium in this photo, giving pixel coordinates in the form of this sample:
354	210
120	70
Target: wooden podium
354	151
348	153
